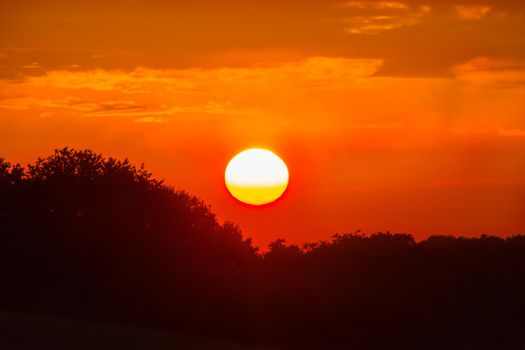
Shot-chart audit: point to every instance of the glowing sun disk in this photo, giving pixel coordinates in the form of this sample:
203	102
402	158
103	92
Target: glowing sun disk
256	176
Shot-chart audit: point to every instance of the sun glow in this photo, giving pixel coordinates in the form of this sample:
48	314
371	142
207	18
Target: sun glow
256	176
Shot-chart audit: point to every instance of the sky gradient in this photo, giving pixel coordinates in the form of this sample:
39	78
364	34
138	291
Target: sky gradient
404	116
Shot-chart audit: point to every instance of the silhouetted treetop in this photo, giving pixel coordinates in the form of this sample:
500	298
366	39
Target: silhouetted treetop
69	164
10	174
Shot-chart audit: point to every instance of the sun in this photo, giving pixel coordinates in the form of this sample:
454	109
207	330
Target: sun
256	176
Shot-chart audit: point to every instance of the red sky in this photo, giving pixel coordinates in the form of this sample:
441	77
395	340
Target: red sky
403	116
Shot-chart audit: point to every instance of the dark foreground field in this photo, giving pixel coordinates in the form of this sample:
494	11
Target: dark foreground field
30	332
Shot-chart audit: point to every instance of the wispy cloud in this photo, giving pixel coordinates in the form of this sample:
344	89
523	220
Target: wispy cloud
119	108
383	16
142	80
472	12
33	65
33	103
492	71
376	5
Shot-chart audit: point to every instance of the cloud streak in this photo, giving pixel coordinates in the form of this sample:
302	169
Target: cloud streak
472	12
374	17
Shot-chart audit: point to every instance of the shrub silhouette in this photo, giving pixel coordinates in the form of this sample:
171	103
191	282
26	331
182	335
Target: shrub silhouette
97	238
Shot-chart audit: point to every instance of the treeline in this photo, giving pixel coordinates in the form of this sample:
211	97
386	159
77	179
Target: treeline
96	238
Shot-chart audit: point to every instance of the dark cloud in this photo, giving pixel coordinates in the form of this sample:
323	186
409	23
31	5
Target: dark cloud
39	36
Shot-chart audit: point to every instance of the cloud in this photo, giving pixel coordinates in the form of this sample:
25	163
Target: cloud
119	105
375	17
376	5
100	80
29	103
118	108
472	12
144	80
491	71
412	37
491	64
33	65
52	106
233	98
308	96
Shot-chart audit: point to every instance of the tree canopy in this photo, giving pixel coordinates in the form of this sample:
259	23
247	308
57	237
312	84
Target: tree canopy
93	237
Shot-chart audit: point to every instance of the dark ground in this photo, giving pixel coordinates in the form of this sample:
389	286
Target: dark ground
24	332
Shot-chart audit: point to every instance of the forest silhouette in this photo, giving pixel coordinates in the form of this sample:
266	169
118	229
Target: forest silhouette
99	239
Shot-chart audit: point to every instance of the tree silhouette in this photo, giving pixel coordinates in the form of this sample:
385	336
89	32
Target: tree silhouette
98	238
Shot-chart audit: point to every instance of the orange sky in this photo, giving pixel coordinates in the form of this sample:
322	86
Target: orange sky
403	116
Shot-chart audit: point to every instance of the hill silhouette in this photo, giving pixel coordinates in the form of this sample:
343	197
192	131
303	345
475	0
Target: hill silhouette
99	239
